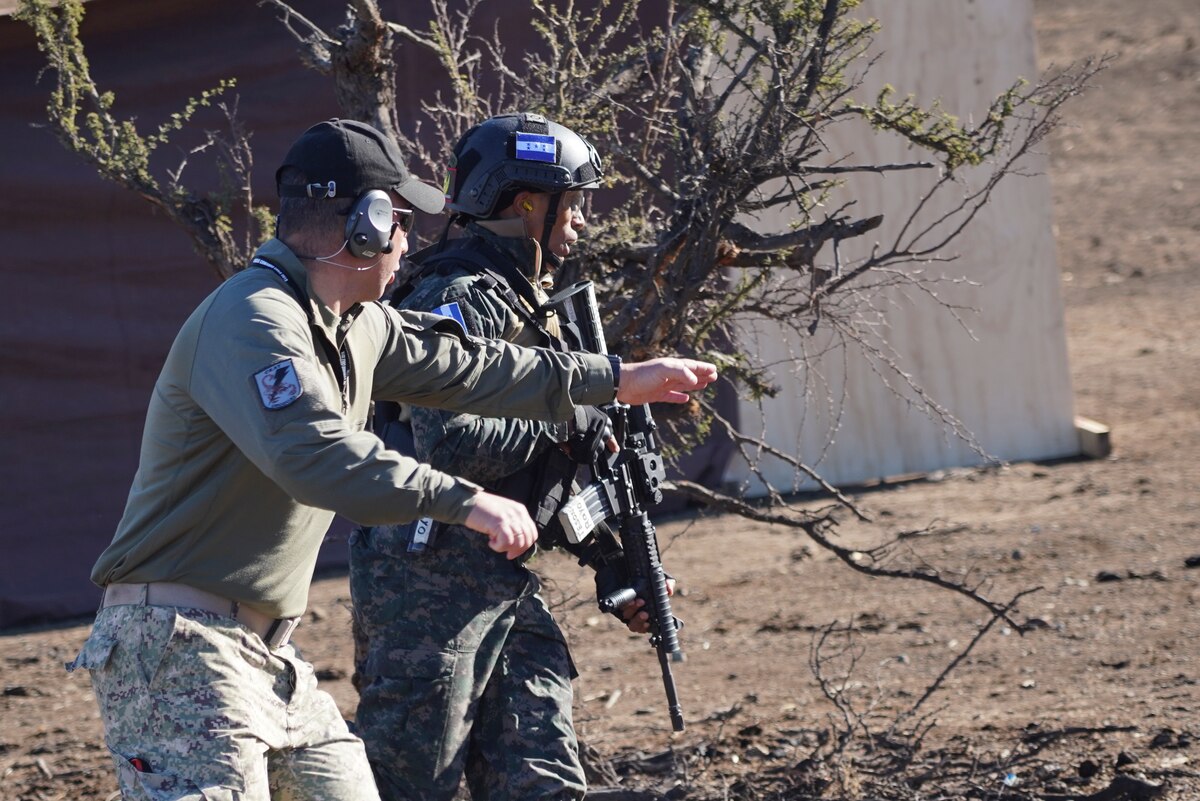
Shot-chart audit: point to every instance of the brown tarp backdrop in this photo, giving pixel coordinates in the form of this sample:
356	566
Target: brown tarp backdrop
97	282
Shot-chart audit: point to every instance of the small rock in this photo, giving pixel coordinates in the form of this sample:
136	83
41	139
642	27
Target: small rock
329	674
1153	575
1133	788
1107	575
1192	561
1124	758
1087	769
1164	739
33	660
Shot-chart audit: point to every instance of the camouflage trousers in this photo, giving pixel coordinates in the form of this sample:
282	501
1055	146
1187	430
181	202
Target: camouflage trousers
197	707
462	672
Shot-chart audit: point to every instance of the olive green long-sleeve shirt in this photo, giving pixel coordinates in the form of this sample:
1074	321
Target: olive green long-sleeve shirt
251	444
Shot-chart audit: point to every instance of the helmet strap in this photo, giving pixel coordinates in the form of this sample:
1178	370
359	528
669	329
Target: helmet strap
548	228
441	245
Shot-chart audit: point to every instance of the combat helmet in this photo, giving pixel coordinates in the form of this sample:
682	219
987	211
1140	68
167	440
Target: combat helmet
511	152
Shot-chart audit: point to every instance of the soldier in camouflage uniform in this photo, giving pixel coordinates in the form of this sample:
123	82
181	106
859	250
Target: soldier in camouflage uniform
461	668
254	438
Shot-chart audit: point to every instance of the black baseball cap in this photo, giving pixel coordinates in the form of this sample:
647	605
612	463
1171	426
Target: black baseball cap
344	158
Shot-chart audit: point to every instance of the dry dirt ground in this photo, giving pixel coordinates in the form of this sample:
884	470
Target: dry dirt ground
1101	701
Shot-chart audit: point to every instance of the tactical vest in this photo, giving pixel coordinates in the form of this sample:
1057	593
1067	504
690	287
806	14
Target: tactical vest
545	484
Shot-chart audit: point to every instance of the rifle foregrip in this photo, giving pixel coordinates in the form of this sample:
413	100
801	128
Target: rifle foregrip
613	602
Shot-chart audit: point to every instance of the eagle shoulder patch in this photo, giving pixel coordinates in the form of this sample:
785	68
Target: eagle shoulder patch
278	385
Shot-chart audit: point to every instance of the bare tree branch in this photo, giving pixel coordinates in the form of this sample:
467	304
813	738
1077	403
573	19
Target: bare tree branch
81	117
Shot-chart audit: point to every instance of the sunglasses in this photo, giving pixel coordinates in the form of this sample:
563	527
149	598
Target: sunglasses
402	219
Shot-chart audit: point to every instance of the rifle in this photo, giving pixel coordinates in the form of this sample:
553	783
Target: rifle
625	484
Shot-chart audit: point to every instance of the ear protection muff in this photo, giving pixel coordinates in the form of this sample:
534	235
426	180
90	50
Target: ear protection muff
369	225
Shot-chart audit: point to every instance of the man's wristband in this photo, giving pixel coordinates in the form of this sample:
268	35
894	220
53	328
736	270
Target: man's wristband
615	361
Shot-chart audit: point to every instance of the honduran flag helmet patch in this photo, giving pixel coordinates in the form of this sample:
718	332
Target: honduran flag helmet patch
536	147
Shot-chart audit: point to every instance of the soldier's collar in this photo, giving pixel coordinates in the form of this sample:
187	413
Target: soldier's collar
525	253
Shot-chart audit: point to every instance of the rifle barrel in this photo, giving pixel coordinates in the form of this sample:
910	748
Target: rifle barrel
673	706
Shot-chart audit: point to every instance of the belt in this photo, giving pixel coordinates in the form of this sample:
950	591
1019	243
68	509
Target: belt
275	632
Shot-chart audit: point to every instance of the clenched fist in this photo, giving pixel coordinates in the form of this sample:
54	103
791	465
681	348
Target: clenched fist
507	524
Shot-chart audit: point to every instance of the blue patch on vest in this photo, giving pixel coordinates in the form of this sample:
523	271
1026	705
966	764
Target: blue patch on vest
452	311
536	147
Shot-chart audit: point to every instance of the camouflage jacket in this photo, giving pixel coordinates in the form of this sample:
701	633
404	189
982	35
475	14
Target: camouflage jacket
481	449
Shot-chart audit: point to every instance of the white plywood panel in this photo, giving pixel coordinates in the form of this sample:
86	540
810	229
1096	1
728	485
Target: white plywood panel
1007	380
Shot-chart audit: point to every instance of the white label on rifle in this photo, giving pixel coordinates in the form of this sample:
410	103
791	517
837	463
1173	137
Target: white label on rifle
576	520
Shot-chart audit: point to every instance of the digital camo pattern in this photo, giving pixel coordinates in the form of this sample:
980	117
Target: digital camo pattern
465	671
461	669
196	706
480	449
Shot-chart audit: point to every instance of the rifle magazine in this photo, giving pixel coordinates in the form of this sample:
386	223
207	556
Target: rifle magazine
586	510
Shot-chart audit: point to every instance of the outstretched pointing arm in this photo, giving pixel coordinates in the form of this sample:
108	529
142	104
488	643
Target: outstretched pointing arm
664	380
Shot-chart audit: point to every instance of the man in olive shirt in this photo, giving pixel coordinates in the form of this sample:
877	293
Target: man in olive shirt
254	439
